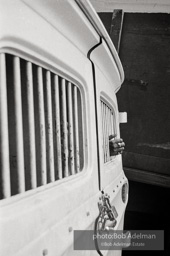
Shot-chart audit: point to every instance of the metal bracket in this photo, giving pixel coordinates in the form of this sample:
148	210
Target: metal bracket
108	213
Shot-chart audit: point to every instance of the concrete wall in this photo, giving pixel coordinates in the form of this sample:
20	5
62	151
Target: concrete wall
151	6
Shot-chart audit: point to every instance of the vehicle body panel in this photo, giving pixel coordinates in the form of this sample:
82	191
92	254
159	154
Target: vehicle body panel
42	220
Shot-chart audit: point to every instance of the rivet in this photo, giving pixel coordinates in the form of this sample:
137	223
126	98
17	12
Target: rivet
45	252
113	191
70	229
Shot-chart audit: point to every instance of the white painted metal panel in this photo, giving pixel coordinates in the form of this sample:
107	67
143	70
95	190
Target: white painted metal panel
103	59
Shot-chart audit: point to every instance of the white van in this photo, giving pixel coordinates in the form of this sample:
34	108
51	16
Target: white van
59	74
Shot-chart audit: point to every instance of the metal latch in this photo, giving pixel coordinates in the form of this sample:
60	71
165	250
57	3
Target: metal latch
108	214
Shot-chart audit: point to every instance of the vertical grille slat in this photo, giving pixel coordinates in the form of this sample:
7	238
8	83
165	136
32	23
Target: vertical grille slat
49	128
57	123
42	132
19	126
31	125
108	127
112	124
103	126
77	159
70	129
107	134
4	138
41	126
64	134
105	137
